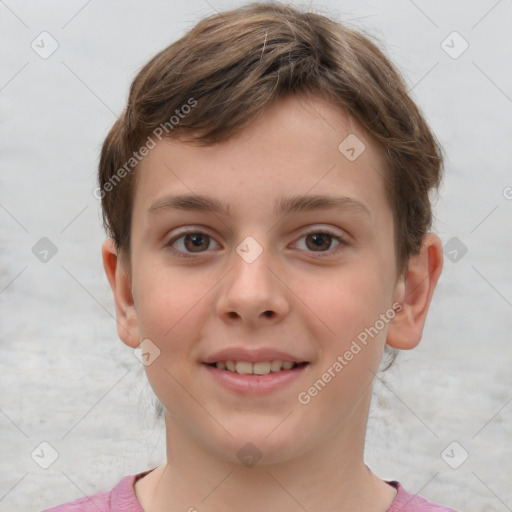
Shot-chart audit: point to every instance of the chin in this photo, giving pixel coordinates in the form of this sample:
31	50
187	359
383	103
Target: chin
252	445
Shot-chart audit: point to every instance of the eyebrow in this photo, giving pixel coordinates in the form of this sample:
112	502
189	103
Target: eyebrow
284	205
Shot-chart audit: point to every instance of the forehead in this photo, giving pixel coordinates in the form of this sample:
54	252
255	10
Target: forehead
301	145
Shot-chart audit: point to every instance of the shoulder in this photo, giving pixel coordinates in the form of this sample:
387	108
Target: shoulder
407	502
119	499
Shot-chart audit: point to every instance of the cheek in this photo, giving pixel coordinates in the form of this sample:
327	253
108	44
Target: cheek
350	337
170	308
346	301
347	325
175	306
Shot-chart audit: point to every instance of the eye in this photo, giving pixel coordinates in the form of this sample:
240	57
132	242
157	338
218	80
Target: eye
190	242
194	242
321	241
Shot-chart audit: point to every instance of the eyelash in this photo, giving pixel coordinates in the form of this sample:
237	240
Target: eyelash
329	252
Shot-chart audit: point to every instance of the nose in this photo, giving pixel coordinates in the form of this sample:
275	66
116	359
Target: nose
253	293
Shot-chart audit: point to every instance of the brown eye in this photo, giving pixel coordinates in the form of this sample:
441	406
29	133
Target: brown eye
196	241
318	241
191	242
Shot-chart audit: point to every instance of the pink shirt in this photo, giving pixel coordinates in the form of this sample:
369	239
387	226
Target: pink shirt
122	499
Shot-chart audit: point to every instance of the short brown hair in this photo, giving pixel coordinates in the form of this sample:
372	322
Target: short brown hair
233	65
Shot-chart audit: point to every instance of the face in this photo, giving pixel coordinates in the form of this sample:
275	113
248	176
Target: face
263	280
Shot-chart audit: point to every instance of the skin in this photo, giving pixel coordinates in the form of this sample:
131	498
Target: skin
320	299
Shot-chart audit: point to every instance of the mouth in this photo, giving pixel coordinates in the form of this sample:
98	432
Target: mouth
255	378
259	368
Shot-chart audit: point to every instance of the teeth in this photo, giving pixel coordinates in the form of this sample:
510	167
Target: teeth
243	367
261	368
275	366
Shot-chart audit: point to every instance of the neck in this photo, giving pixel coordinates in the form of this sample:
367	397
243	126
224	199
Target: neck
330	477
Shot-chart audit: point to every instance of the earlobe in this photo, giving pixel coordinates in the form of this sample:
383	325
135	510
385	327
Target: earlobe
120	282
415	292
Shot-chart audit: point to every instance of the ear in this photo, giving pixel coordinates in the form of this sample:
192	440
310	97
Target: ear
414	291
120	282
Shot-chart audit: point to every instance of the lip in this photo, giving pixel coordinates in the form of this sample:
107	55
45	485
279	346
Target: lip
255	384
252	356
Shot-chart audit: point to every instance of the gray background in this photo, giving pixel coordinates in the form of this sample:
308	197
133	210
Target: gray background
67	380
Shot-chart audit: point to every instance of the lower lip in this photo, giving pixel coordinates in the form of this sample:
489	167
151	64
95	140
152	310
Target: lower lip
255	384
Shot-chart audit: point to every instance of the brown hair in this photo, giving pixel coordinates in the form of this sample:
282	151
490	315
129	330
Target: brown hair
231	66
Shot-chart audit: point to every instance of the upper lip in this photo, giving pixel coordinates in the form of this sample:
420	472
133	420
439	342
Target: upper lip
252	356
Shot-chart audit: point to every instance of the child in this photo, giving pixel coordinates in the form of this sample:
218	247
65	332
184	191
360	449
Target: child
266	196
